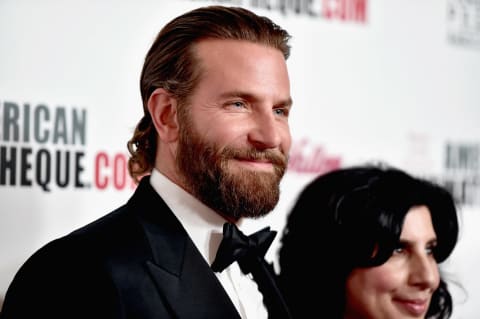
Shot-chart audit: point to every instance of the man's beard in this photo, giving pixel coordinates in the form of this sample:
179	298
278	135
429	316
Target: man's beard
232	192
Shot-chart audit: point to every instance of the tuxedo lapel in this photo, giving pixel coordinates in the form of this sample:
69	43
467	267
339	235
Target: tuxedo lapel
196	292
177	268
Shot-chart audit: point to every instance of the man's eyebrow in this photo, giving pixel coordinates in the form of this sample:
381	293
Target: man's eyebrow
232	94
287	103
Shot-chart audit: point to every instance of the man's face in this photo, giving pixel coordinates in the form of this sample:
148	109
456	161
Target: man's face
235	138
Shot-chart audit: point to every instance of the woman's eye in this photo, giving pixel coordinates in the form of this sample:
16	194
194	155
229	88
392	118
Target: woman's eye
398	250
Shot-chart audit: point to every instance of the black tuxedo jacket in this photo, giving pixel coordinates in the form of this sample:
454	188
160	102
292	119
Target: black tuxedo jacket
136	262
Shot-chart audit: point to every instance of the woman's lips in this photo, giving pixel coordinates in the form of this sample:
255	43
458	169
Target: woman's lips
416	307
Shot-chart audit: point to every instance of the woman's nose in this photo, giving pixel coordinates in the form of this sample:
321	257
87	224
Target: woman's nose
424	271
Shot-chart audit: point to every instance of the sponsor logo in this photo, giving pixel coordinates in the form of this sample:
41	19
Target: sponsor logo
46	146
463	22
462	172
339	10
308	158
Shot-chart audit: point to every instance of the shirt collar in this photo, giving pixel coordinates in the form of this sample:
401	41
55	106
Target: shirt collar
203	224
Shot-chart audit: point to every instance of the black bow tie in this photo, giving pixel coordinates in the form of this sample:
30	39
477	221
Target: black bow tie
236	246
249	252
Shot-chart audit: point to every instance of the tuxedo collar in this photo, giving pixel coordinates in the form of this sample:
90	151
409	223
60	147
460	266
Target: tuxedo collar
176	266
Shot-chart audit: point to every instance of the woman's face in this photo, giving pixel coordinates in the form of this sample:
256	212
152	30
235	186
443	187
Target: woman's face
402	287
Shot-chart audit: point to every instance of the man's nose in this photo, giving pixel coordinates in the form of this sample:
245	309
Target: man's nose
266	132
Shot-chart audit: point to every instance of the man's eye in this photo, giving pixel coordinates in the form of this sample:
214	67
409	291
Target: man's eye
430	249
281	111
238	104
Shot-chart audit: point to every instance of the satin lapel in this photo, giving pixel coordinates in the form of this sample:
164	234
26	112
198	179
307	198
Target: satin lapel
195	292
178	269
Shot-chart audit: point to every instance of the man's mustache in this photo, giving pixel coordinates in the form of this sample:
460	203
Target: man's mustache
272	156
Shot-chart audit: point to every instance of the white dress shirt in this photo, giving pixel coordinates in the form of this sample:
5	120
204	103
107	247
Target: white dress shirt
205	226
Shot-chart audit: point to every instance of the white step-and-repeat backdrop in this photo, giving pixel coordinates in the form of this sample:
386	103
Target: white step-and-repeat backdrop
372	80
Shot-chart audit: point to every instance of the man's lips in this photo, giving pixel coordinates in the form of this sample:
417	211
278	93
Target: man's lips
262	164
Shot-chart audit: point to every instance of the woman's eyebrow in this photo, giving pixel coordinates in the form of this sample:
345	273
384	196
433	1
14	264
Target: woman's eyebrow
406	242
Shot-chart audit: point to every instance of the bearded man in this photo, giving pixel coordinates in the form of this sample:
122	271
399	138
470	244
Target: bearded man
209	151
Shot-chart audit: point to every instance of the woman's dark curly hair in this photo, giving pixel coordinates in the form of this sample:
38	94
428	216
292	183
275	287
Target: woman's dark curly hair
345	216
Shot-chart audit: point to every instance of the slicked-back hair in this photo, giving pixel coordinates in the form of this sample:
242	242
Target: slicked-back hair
353	218
171	64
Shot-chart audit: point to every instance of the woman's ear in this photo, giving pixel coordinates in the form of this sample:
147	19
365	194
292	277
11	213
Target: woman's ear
162	107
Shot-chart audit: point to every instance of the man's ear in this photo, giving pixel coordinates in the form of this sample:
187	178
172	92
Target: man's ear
163	110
